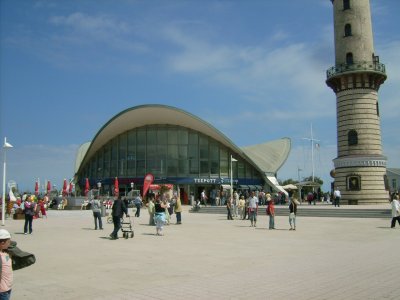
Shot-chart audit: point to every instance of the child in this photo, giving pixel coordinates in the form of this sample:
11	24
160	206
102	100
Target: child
6	276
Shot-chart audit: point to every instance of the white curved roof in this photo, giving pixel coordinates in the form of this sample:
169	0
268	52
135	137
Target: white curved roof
267	157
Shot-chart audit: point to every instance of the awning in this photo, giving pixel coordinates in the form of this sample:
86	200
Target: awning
156	187
290	187
226	186
275	184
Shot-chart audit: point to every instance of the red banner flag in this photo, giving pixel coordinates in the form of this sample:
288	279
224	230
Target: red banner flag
148	180
48	187
36	188
116	186
64	189
87	187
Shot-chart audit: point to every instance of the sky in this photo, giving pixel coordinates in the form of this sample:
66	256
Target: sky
254	69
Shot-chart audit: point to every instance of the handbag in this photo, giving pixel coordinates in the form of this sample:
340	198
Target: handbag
292	215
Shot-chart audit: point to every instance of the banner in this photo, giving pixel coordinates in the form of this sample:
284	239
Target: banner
116	187
148	180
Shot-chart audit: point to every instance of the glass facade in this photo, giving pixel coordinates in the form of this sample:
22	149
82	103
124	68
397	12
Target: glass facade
168	152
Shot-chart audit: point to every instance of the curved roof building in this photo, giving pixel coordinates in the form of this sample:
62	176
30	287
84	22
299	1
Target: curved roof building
177	148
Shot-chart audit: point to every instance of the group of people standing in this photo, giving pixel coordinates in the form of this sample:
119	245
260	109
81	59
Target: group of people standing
160	209
249	208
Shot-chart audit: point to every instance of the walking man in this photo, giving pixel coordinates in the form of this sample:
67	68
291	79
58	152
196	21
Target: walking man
336	196
118	211
138	205
253	208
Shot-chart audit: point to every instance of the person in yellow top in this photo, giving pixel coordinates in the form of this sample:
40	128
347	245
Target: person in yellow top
241	206
6	272
178	209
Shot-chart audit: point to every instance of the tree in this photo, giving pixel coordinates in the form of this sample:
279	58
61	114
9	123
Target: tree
289	181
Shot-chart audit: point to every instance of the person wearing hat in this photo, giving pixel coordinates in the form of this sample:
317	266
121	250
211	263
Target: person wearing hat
6	272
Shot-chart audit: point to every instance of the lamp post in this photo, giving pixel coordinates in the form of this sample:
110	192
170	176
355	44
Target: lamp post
3	204
99	188
232	160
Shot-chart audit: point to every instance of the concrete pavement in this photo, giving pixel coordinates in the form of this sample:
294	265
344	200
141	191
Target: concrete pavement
209	257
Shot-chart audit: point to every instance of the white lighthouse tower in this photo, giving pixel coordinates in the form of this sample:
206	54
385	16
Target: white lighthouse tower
360	167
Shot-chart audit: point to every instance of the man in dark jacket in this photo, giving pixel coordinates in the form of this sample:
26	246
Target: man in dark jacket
117	213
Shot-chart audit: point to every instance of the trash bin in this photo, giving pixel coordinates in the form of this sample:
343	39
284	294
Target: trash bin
103	210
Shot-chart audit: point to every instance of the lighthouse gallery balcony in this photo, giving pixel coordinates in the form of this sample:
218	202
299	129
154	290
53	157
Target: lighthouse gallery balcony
368	66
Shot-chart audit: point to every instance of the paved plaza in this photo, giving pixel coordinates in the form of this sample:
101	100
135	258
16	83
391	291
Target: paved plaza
209	257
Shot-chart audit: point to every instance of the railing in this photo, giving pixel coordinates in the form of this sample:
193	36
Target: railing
357	66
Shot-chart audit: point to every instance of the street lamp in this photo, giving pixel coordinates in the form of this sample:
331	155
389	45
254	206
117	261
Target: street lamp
3	204
99	188
232	160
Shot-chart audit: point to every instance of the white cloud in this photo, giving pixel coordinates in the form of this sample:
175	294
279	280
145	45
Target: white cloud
95	25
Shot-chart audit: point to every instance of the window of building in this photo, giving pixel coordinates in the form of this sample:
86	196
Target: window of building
346	4
349	58
223	162
114	157
353	183
347	30
165	151
352	138
122	154
394	184
377	108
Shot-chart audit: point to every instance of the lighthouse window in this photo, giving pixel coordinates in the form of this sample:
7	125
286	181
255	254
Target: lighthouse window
352	137
349	58
377	108
347	30
346	4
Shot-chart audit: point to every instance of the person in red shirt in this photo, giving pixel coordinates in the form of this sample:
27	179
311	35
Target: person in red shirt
271	213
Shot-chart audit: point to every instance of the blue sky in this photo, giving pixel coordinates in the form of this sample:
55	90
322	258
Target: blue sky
253	69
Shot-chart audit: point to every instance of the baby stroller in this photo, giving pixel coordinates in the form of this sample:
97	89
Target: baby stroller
127	228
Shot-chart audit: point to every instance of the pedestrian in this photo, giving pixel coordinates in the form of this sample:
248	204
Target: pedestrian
29	211
292	213
271	213
159	215
246	209
117	213
6	271
395	211
253	209
178	209
204	197
96	209
150	209
229	208
241	206
42	206
235	202
310	198
336	197
138	204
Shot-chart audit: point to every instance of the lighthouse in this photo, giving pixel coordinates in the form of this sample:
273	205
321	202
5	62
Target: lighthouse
360	166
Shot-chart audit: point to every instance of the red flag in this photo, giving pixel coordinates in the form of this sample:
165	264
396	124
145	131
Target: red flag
116	187
36	188
71	186
48	187
87	187
64	190
148	180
